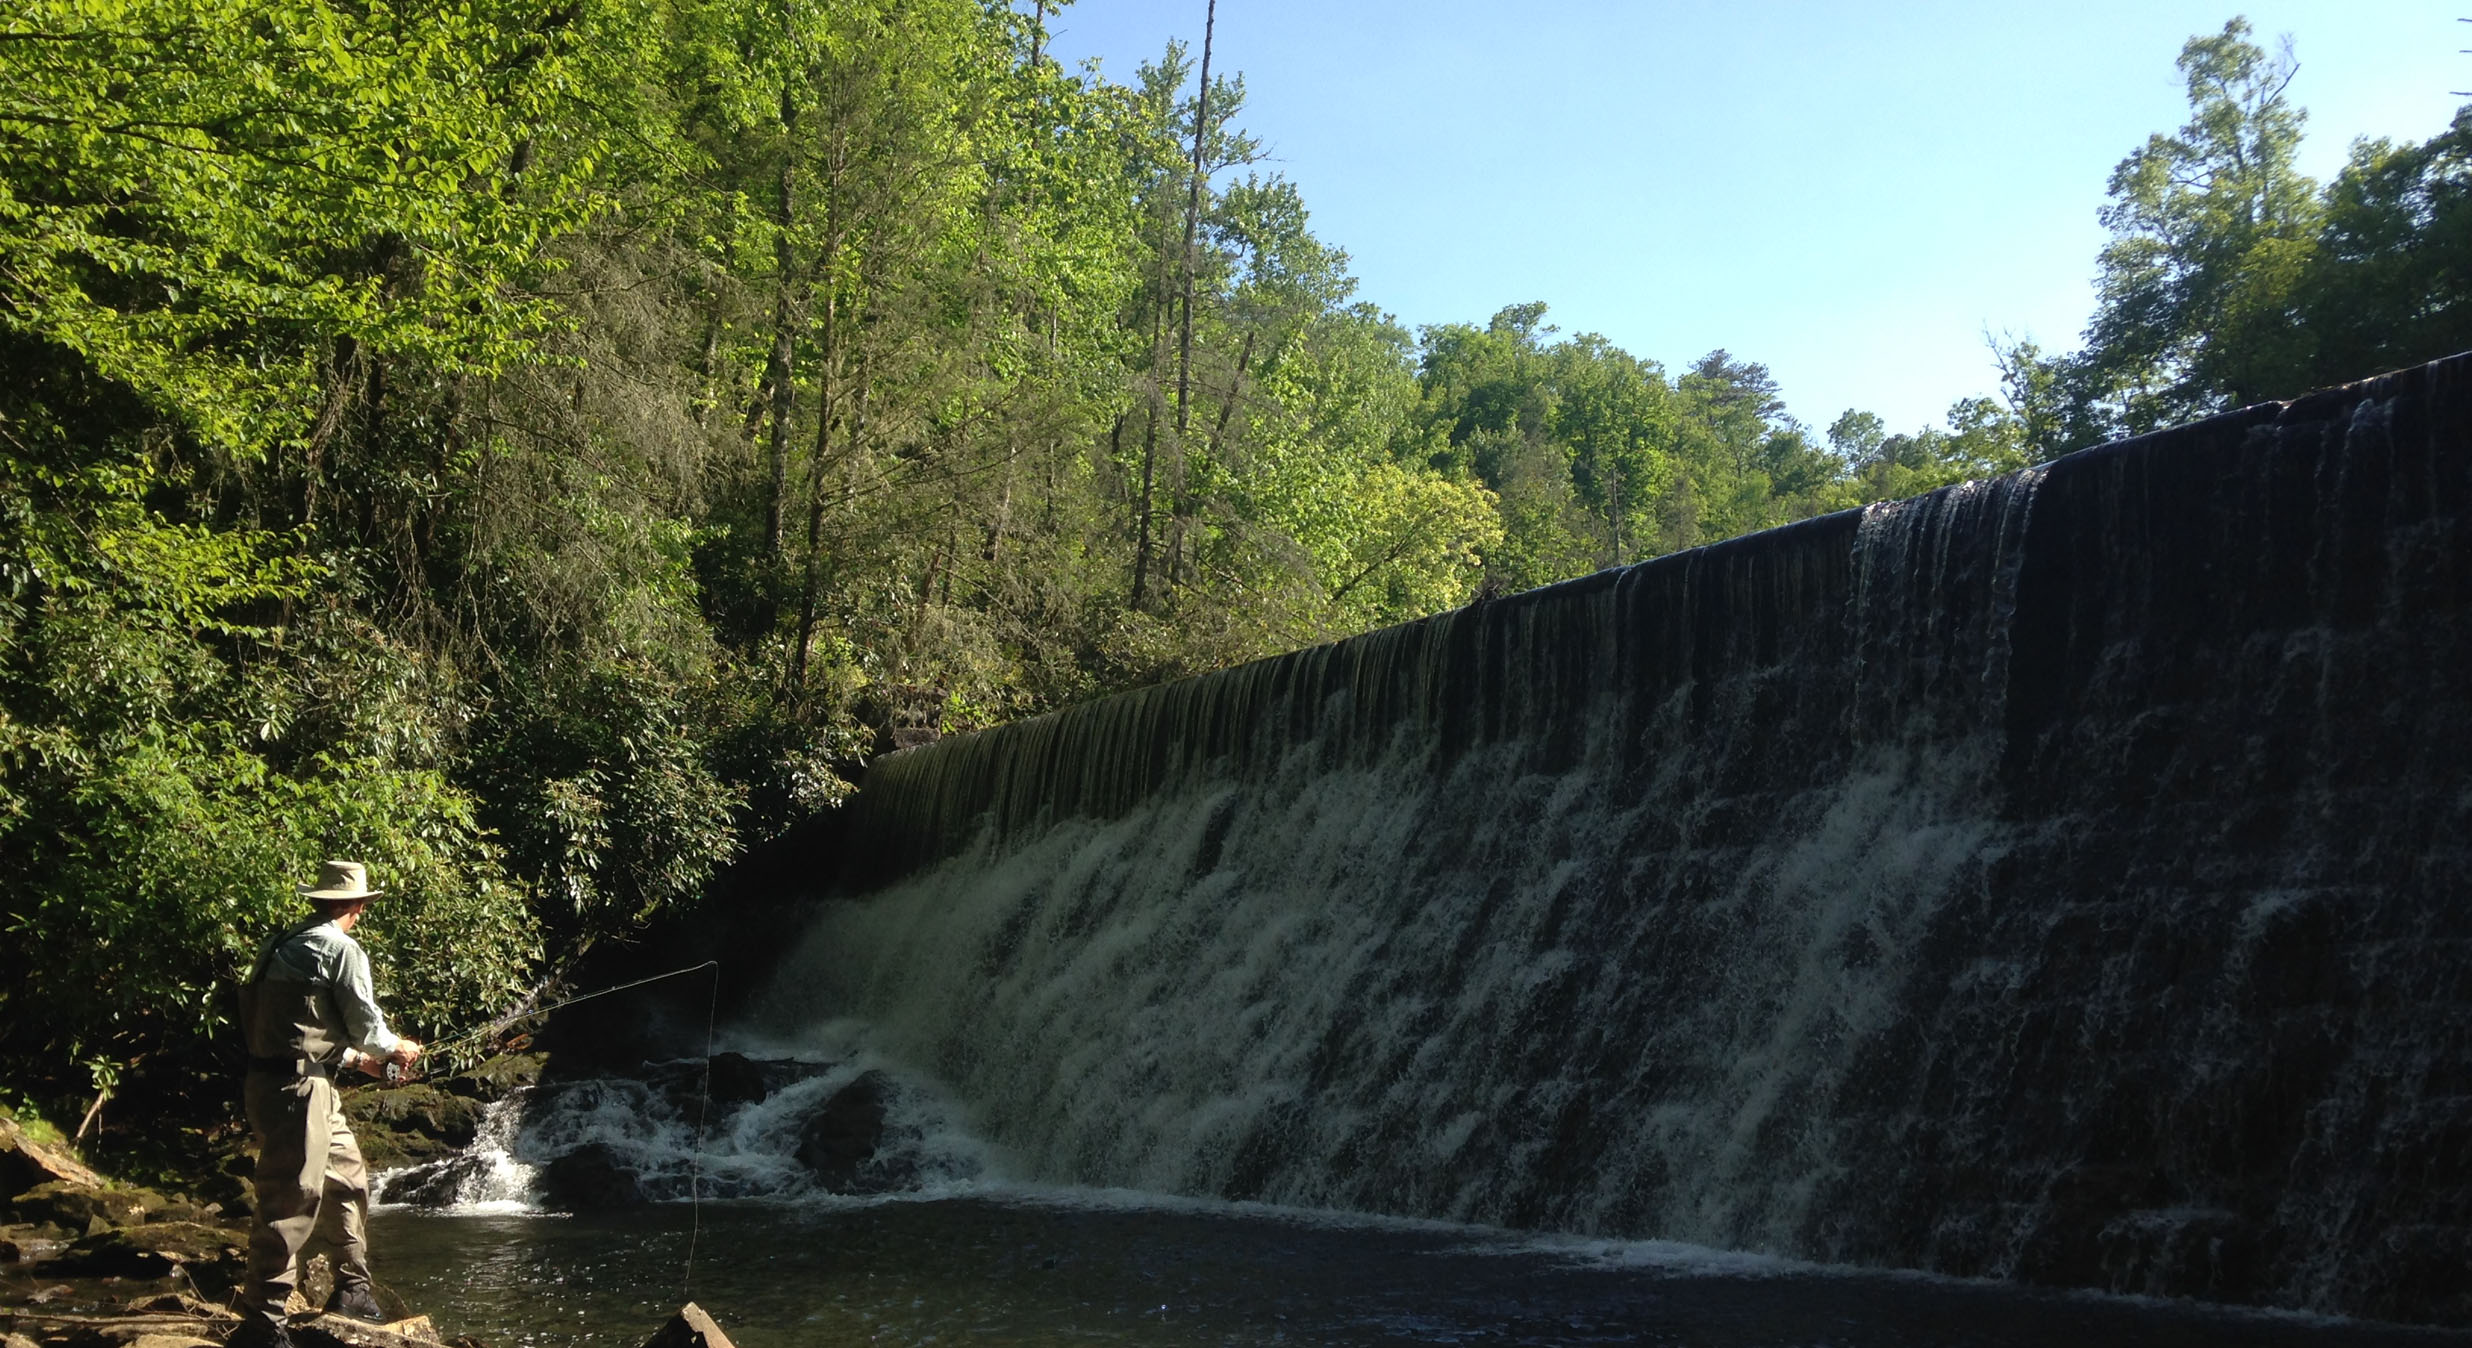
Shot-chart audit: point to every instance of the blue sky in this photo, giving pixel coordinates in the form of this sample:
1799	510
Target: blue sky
1850	193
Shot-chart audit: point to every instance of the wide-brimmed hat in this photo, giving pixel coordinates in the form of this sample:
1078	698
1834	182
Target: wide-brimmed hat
340	880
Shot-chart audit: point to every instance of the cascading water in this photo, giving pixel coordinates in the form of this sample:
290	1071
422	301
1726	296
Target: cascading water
2055	878
659	1134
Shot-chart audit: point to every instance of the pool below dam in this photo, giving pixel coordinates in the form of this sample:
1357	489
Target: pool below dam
1027	1269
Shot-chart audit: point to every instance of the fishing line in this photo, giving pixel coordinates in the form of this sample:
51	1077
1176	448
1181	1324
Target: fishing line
502	1022
695	1159
703	1091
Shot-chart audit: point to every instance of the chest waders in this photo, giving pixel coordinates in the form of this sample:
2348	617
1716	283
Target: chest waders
312	1186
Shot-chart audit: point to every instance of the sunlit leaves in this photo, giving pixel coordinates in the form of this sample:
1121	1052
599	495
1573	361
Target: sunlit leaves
2230	279
196	195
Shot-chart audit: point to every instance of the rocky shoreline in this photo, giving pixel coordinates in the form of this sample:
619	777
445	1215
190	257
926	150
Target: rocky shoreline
87	1261
90	1262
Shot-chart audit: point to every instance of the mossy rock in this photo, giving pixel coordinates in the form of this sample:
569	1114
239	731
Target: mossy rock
32	1156
212	1256
79	1207
32	1242
230	1185
499	1077
173	1209
408	1124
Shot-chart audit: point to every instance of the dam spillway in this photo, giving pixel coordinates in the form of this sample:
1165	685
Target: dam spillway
2060	878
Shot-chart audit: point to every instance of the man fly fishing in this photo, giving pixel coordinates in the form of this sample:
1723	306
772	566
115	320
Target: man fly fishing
307	1012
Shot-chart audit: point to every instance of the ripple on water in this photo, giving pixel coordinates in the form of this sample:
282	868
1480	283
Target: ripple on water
1056	1267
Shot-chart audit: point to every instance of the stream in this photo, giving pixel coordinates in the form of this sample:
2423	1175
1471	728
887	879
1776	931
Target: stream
1006	1266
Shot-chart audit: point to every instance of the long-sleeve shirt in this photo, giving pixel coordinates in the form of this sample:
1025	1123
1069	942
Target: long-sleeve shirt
321	954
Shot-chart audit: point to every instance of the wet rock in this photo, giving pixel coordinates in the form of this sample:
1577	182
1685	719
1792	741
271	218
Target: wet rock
844	1134
33	1244
177	1303
78	1206
109	1254
227	1188
312	1325
736	1080
153	1205
210	1255
436	1184
689	1328
497	1078
730	1081
311	1288
591	1177
316	1287
412	1123
182	1210
334	1331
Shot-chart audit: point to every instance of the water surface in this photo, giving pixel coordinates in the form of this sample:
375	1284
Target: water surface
1031	1269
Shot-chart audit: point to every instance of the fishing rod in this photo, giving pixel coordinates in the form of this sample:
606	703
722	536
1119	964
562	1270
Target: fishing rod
502	1022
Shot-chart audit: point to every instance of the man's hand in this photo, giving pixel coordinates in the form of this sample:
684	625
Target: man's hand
406	1053
366	1062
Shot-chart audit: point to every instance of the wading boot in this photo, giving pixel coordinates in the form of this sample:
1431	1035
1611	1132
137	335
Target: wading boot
358	1303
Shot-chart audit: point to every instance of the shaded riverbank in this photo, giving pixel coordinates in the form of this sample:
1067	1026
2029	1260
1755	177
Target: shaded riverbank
88	1260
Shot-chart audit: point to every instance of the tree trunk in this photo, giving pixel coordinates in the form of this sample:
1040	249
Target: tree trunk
1182	507
1193	216
994	550
1141	509
827	369
1244	361
811	582
784	350
708	369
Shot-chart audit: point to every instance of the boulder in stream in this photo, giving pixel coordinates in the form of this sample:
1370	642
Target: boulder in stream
736	1079
591	1177
433	1184
844	1134
411	1123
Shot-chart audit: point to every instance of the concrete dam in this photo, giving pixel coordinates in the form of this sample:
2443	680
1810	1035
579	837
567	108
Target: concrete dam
2061	878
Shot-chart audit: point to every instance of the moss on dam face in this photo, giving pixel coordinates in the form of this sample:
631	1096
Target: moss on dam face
2060	878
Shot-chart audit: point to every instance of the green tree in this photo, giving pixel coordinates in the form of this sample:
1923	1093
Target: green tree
232	238
540	445
2214	231
1732	429
2211	231
1331	514
1614	413
2391	280
1982	439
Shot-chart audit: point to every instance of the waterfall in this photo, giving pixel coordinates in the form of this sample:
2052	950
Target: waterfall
2056	878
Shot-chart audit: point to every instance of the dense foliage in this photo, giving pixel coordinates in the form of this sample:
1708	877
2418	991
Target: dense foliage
541	447
2231	278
